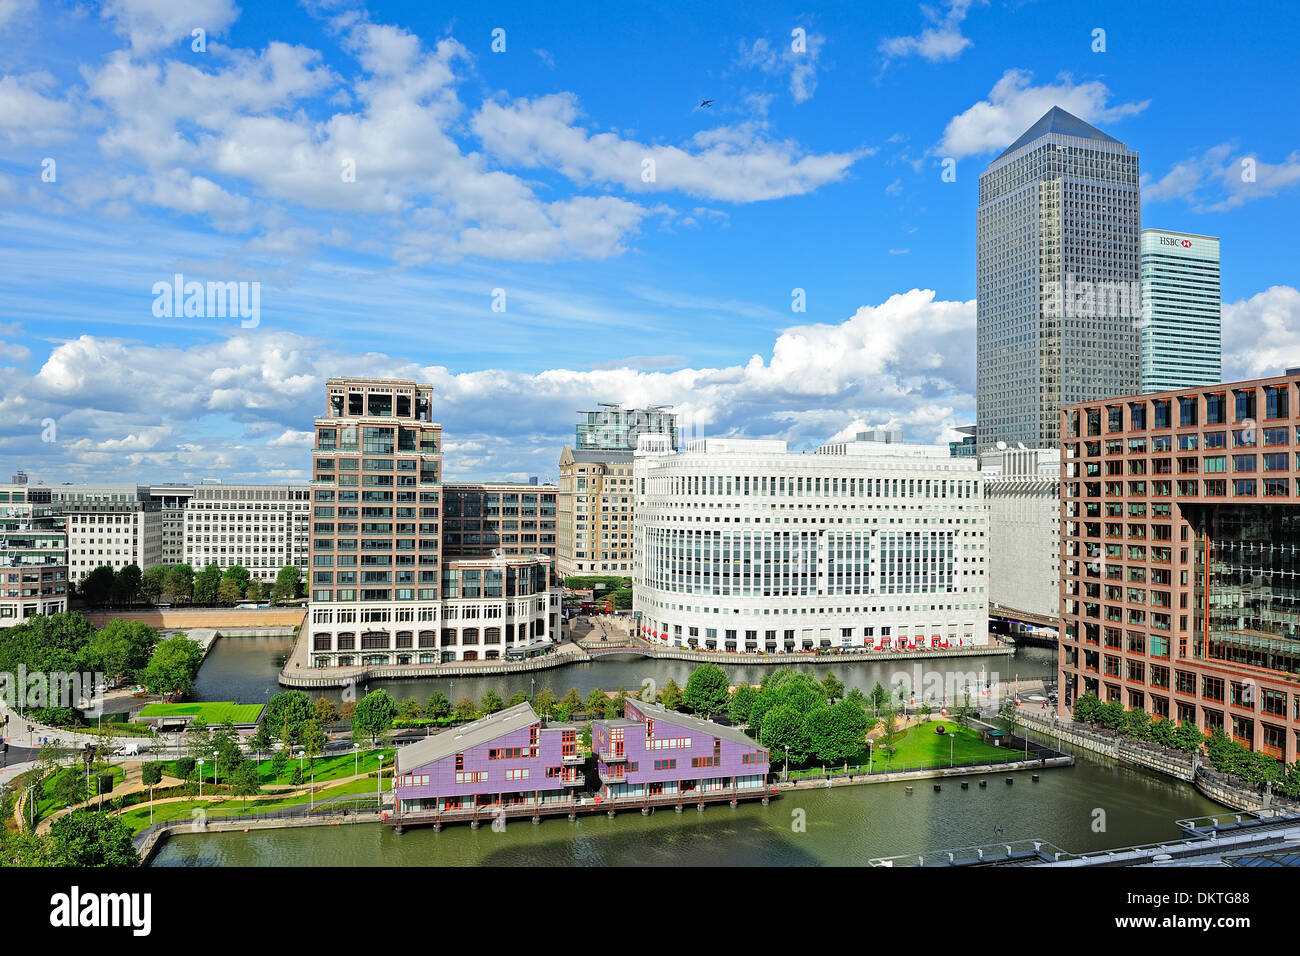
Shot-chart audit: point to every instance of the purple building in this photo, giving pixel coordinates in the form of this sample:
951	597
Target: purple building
509	758
653	751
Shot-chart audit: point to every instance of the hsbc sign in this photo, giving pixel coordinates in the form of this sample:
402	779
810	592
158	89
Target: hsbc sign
1174	241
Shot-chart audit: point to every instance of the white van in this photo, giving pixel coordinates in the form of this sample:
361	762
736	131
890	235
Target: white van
129	750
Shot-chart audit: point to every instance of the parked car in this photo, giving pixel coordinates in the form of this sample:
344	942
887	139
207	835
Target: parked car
128	750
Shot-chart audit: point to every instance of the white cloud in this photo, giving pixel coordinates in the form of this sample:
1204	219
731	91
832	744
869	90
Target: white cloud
29	114
238	406
943	41
730	163
783	60
1014	105
151	25
1261	334
1222	178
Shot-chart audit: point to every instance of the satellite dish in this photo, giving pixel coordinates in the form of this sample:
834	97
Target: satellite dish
1002	446
1021	446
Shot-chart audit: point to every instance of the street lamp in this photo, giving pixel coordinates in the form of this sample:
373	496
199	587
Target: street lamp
200	763
951	739
215	754
379	783
871	754
356	759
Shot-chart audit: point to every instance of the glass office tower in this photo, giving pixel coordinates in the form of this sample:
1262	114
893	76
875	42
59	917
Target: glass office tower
1181	342
1057	279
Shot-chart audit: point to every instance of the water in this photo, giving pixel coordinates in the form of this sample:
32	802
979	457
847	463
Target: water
244	669
846	826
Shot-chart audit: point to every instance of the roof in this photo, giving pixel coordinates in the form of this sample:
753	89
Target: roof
460	739
613	456
657	712
1057	120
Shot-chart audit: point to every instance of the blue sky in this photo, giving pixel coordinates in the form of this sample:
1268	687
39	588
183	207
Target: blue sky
817	169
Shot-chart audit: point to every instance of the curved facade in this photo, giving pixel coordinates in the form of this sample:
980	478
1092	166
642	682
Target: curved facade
741	545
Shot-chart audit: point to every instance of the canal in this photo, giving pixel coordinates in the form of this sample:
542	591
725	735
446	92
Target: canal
244	670
1093	805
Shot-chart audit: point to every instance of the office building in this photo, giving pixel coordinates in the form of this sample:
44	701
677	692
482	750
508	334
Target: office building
652	751
1180	561
1057	279
1022	490
615	428
384	591
261	528
1181	341
33	554
742	545
171	501
594	513
112	524
967	446
510	518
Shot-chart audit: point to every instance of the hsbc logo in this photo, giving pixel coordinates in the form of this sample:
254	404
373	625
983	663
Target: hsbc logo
1171	241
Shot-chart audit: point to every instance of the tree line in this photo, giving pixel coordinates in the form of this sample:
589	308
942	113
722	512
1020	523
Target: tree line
181	584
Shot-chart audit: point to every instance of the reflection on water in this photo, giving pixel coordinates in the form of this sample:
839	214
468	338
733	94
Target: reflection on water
244	669
844	826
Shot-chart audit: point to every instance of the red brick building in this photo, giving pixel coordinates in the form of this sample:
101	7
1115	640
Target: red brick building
1180	557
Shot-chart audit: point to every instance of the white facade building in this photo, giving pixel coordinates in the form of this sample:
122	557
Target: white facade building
260	527
742	545
109	524
1022	488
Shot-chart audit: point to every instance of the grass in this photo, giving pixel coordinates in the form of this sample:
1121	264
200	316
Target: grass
137	818
921	747
48	802
211	712
327	768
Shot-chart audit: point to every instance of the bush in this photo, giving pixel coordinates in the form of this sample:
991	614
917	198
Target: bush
184	767
151	773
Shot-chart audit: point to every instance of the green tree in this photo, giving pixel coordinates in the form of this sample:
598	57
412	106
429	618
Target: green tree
261	741
96	588
325	711
245	782
741	703
672	699
228	592
86	838
544	702
120	648
492	702
279	762
374	716
297	778
572	701
151	773
465	709
518	697
838	733
707	690
172	669
784	727
229	754
287	582
240	575
879	698
178	585
313	740
595	703
206	583
152	583
409	709
256	591
69	787
126	585
438	706
834	687
288	709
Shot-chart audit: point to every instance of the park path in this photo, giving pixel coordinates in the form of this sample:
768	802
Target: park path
134	783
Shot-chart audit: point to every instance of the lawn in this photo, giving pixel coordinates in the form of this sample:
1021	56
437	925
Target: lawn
327	768
137	818
211	712
49	803
920	746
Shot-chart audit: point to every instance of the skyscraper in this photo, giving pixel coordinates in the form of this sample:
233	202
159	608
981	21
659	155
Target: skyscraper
615	428
1181	344
1057	279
